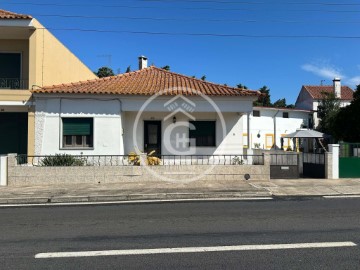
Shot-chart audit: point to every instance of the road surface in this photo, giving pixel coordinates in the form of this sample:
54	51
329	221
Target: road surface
276	234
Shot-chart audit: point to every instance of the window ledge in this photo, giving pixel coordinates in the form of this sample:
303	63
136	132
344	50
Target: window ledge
77	148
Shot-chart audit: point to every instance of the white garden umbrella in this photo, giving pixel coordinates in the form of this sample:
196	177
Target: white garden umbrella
305	133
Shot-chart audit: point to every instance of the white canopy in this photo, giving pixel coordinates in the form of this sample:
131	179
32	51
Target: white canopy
305	133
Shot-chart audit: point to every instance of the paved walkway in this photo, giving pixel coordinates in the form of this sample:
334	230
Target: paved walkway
168	190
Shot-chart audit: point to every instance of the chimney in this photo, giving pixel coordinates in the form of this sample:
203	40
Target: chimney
142	62
337	87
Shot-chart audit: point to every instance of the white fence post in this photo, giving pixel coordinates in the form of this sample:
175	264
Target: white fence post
334	149
3	170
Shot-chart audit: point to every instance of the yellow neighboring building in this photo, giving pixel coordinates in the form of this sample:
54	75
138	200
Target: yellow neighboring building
30	57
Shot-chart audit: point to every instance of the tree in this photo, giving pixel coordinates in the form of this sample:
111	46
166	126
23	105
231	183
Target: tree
166	67
128	69
264	99
328	108
346	123
280	103
104	72
241	86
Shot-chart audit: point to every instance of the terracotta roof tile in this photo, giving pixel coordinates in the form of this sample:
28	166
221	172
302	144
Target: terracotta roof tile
316	91
149	81
11	15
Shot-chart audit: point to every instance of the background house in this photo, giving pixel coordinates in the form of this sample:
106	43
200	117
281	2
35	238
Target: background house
149	109
310	96
30	57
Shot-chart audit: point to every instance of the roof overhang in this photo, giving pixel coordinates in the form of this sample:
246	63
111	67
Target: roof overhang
281	109
16	28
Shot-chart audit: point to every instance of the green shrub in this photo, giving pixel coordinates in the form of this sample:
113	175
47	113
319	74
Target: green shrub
62	160
237	161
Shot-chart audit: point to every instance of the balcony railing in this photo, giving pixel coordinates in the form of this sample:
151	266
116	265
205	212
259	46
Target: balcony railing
13	83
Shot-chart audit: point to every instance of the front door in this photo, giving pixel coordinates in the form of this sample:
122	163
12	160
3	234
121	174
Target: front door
152	137
13	133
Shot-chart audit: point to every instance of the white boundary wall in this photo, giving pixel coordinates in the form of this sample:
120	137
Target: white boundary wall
334	149
3	170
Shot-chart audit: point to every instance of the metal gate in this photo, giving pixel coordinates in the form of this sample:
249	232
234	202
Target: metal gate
313	165
349	161
284	166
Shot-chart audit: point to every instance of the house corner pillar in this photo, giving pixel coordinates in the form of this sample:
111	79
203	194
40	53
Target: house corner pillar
31	132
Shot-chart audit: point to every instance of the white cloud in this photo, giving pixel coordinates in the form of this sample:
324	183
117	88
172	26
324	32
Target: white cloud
327	72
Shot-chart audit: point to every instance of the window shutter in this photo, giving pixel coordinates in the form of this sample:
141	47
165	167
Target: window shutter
202	128
77	126
204	132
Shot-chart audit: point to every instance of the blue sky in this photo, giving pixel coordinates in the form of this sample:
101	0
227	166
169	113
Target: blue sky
280	44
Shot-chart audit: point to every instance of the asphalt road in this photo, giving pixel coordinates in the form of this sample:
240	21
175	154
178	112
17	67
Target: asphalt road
26	232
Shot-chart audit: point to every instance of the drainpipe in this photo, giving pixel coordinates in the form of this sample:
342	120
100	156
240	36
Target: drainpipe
248	132
274	118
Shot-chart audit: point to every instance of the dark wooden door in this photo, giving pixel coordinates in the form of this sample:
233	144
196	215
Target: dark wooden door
152	137
13	133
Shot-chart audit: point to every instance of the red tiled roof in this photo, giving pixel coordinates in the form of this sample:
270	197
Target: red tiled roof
316	91
11	15
148	81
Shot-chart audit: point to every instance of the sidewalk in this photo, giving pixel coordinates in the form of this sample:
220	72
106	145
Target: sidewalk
130	191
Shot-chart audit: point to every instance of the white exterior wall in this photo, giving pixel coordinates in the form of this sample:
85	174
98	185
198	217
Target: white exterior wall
304	101
228	142
114	120
264	125
107	125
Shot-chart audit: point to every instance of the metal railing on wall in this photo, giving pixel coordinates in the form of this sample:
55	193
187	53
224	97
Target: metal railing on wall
13	83
134	160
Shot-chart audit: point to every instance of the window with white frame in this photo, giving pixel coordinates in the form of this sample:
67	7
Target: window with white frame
77	132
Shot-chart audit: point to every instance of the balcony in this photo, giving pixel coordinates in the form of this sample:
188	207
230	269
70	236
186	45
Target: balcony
13	83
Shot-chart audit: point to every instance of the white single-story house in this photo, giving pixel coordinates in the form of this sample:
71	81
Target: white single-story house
269	124
145	110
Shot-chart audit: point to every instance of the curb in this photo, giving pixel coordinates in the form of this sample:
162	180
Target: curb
134	197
